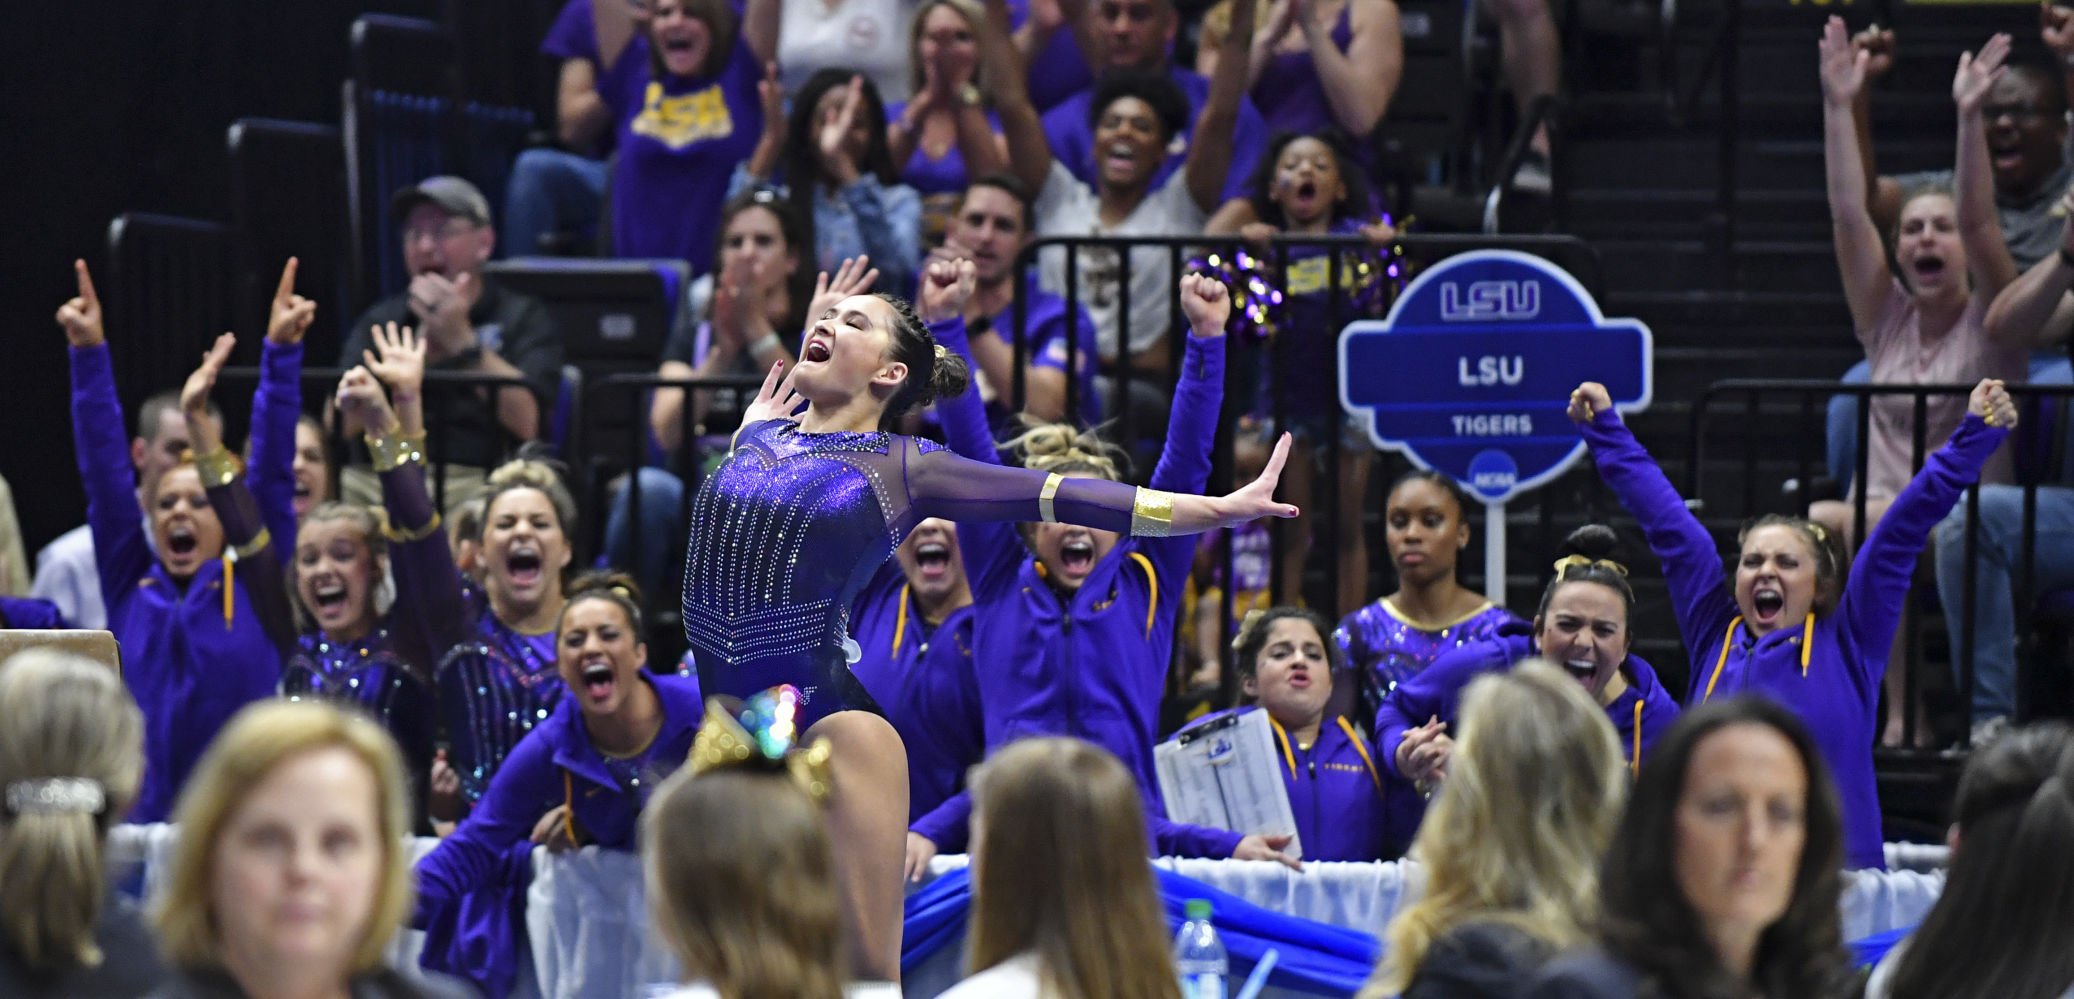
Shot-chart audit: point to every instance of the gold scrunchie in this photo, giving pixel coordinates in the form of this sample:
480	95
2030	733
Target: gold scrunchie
1568	562
391	451
723	741
941	353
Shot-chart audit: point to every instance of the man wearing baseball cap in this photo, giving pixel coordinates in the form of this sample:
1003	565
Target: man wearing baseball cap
468	324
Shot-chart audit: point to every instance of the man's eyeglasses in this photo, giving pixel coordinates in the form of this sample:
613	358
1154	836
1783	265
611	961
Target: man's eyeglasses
438	233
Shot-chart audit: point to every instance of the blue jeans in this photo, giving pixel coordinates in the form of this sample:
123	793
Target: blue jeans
551	190
1842	428
654	555
1997	563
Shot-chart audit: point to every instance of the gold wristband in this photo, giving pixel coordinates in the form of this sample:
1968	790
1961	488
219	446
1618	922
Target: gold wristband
1046	495
255	546
402	535
218	467
1152	514
392	451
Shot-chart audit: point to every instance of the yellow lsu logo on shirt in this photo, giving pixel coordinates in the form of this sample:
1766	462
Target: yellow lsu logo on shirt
679	121
1312	275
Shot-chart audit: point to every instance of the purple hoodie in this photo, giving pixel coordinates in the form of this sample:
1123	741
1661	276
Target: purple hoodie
1833	680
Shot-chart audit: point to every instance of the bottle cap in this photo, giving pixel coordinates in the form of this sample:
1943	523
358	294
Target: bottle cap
1198	909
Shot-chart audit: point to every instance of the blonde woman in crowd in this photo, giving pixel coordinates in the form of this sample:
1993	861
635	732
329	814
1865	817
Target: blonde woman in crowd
1511	845
71	759
290	875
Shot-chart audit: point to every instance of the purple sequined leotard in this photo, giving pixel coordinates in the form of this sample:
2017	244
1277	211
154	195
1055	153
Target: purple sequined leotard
792	526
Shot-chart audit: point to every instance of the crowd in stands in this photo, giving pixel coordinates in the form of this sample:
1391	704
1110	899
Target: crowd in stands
325	651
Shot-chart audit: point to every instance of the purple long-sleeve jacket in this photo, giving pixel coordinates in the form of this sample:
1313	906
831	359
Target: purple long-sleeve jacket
1834	683
922	677
472	883
189	665
276	407
1639	715
30	613
1335	789
1094	665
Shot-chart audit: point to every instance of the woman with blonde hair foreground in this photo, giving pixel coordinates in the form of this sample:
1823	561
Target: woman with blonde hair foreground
1063	902
740	874
71	759
290	875
1512	843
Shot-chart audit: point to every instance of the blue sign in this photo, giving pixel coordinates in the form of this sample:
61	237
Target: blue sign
1471	373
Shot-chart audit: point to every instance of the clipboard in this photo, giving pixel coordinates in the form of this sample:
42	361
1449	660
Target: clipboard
1226	774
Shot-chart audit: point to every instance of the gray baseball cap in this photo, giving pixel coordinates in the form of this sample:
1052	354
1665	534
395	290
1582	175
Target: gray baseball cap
453	195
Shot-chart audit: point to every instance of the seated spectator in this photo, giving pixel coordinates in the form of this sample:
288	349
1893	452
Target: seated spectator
739	873
1929	324
2008	898
2025	115
854	36
990	226
1504	892
945	135
557	191
202	639
685	122
1723	878
1581	625
1426	529
1338	68
65	570
1133	118
71	761
1286	668
580	777
832	153
2029	310
1063	902
291	872
470	325
1137	37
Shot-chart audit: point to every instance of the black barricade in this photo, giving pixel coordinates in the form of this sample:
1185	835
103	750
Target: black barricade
1758	415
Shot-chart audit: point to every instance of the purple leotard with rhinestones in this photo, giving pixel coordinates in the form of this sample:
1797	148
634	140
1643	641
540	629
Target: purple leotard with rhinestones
792	526
1384	648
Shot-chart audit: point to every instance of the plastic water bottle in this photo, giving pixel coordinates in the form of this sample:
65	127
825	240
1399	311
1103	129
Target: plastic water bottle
1199	954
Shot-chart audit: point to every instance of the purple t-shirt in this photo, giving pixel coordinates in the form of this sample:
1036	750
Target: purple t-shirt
1067	127
679	140
1057	70
944	174
1046	343
574	35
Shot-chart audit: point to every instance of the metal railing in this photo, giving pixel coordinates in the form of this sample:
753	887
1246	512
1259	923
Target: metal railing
2037	449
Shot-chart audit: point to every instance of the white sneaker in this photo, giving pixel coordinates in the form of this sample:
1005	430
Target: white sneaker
1988	730
1533	176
